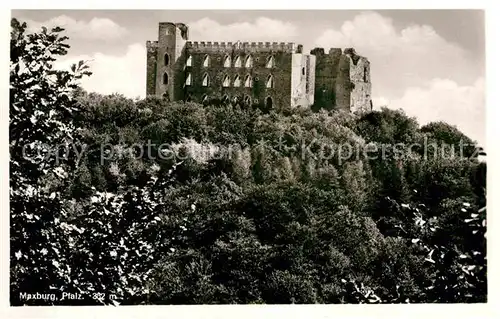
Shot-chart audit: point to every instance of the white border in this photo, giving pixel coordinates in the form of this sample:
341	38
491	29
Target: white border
254	5
290	311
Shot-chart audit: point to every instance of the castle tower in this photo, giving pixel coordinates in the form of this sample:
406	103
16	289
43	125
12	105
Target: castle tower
342	80
327	73
170	59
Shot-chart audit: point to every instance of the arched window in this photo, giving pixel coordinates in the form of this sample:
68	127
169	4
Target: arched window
225	82
206	80
237	63
269	103
166	59
234	100
365	74
165	78
206	61
189	61
303	71
204	99
227	61
249	62
237	81
270	81
188	79
270	62
248	100
248	81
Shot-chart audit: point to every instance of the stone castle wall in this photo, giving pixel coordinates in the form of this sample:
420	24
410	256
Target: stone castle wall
258	73
342	80
151	72
334	80
251	47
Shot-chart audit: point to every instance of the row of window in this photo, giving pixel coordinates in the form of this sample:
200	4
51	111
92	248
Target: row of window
270	63
237	64
235	100
227	81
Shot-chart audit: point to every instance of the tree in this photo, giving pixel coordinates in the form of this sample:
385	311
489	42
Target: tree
451	136
42	156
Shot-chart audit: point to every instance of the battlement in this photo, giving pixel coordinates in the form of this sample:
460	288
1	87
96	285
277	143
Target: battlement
333	51
337	52
289	47
176	24
151	44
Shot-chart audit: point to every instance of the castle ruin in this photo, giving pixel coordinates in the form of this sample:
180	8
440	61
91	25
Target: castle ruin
265	75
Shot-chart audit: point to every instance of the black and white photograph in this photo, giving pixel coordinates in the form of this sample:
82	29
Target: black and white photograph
247	157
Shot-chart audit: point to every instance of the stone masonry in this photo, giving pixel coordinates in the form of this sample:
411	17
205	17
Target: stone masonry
265	75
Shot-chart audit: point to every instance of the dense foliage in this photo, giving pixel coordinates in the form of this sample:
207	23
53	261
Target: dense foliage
157	202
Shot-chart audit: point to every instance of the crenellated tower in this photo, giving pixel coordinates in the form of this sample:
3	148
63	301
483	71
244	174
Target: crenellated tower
342	80
170	59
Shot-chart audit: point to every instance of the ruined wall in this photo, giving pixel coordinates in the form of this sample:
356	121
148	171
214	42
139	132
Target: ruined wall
343	85
151	48
327	69
342	80
360	77
311	78
302	80
258	93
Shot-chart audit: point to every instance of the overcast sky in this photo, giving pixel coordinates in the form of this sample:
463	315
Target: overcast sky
430	63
